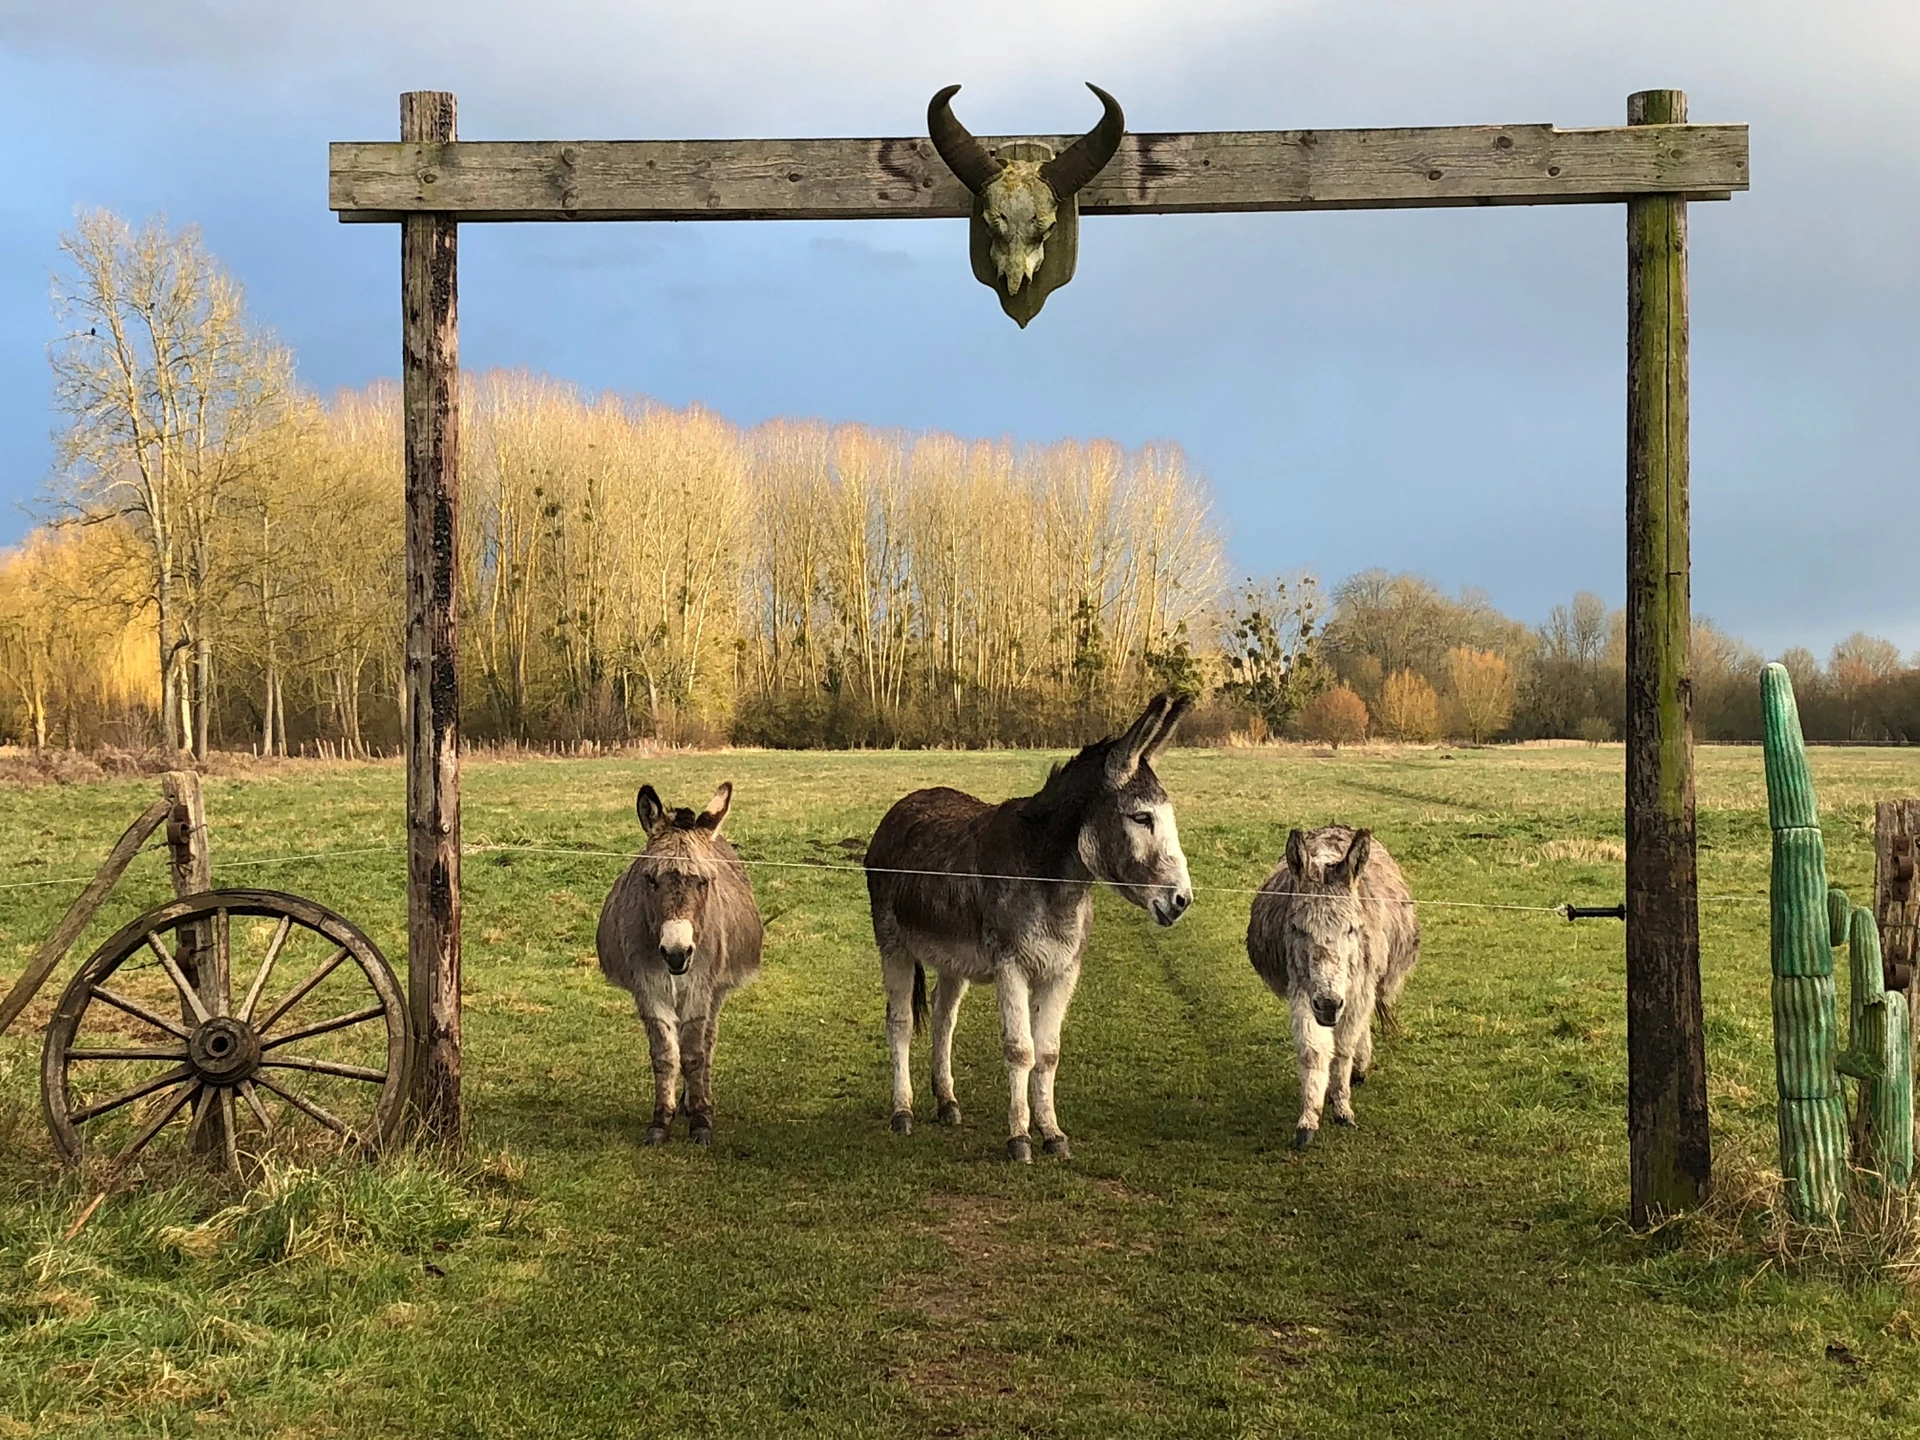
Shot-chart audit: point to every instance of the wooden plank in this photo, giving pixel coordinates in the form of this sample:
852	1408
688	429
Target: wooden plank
81	913
1171	174
1670	1159
430	373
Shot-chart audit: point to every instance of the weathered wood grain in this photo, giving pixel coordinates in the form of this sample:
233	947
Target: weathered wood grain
1896	901
1669	1150
430	388
1169	174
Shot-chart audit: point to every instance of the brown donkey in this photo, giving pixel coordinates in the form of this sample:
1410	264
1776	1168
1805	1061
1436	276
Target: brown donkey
681	932
1002	894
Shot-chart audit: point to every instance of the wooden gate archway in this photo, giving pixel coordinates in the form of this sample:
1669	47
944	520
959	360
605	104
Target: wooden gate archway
430	183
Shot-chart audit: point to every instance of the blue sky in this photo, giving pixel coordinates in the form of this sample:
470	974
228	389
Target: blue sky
1438	391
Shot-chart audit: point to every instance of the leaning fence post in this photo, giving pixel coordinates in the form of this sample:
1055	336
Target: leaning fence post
1813	1117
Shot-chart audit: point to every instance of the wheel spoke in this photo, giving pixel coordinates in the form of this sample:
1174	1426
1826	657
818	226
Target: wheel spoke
156	1122
108	1052
223	961
131	1094
202	1107
180	981
327	1067
140	1012
301	1103
339	1022
251	1094
229	1131
266	966
300	993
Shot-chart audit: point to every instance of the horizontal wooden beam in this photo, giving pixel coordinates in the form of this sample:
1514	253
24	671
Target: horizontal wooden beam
1151	175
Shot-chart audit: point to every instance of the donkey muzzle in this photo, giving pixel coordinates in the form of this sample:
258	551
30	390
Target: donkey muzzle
1169	907
676	946
1326	1011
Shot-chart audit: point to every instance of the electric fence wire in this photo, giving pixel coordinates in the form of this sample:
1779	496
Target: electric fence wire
486	848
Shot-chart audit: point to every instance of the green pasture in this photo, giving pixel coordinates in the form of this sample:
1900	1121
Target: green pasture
1456	1266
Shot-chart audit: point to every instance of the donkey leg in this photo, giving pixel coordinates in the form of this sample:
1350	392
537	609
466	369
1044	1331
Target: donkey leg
1354	1020
1363	1053
951	990
1016	1044
1049	1012
697	1058
663	1040
1352	1038
896	973
1313	1044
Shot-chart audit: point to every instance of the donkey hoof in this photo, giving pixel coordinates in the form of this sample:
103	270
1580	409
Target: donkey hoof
903	1122
1303	1137
949	1112
656	1135
701	1135
1346	1120
1359	1077
1057	1146
1020	1150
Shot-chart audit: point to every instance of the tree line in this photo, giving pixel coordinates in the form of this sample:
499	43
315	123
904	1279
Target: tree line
222	566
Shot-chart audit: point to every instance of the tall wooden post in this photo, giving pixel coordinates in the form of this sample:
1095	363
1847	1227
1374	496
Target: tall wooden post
430	369
1669	1150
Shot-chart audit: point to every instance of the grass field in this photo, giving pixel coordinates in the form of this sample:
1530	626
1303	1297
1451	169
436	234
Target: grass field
1456	1266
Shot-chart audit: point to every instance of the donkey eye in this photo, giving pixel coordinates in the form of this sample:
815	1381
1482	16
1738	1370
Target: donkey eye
1144	817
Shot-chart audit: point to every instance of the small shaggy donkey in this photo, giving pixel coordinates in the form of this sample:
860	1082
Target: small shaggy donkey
1002	895
681	932
1333	933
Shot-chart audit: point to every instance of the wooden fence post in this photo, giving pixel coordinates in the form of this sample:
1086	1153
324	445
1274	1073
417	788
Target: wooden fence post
1669	1148
191	862
430	368
1896	902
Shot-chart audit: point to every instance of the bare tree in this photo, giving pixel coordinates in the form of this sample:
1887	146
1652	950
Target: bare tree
164	388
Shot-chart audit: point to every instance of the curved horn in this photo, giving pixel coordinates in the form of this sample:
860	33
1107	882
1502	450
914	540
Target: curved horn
965	156
1087	156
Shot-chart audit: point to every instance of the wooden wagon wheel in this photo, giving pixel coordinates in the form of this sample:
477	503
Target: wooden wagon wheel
150	1030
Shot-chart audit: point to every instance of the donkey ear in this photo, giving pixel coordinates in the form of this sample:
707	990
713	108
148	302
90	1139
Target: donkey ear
1124	758
648	807
1348	871
716	811
1181	705
1297	853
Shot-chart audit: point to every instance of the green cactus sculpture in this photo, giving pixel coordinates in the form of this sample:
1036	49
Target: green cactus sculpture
1880	1056
1813	1115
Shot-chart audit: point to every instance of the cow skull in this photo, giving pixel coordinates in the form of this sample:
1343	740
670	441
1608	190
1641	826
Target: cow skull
1025	232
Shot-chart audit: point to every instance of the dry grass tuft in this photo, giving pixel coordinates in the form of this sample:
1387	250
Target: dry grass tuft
1878	1240
1584	851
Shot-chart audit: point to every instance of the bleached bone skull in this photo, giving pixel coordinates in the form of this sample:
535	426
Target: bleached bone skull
1025	218
1020	209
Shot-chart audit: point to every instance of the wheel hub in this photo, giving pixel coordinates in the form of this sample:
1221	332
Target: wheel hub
224	1051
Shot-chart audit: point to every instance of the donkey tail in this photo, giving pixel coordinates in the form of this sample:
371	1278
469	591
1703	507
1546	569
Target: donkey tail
919	998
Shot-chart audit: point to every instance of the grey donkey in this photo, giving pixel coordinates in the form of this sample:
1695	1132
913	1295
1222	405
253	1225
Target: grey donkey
681	931
1334	934
1002	894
